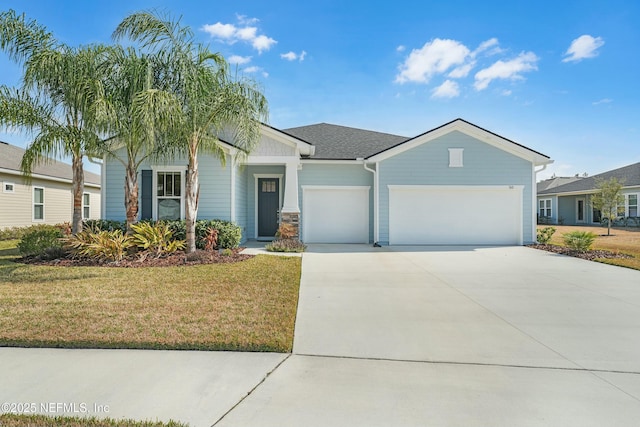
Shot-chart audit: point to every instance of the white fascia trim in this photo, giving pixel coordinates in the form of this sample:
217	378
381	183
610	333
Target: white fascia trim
305	148
336	187
331	162
46	177
470	130
456	187
271	160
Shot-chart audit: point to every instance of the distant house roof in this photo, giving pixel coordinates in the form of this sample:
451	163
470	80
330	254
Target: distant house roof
334	142
556	182
628	175
11	156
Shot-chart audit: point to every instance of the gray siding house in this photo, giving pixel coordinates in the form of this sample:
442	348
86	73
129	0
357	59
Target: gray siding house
47	198
570	203
455	184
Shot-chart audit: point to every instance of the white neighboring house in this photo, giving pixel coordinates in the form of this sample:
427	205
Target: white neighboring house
48	198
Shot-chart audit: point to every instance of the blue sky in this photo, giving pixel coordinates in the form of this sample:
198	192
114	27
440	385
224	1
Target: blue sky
560	77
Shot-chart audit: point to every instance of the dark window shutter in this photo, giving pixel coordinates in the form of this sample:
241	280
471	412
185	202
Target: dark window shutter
146	210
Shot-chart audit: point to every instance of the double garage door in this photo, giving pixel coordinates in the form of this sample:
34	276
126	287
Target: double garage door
455	215
418	215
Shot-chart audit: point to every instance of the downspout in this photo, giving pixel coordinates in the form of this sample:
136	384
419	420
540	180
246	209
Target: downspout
375	200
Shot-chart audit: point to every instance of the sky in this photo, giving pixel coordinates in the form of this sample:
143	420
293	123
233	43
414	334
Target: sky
560	77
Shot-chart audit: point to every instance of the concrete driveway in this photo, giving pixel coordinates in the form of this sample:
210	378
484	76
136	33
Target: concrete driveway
460	336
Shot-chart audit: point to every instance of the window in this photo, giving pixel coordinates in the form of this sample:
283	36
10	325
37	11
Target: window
269	186
631	205
38	204
544	208
8	187
169	195
455	157
86	206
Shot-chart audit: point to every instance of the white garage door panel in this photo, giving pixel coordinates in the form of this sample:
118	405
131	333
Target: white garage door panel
335	214
425	215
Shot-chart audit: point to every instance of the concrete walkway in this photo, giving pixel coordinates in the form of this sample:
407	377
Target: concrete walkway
459	336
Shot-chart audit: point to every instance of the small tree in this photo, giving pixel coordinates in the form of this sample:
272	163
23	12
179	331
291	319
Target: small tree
609	199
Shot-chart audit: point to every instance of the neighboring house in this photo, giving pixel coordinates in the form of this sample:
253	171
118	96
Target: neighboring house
47	198
570	203
455	184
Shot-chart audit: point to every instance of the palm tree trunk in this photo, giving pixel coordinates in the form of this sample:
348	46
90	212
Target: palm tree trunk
78	190
191	200
131	194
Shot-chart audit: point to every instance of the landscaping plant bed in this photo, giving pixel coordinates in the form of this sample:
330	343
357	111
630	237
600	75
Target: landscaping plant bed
590	255
172	260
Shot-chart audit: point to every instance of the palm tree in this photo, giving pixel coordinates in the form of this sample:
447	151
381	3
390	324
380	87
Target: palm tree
55	102
210	100
134	114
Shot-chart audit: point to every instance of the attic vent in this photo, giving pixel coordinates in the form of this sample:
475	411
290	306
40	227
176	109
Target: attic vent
455	157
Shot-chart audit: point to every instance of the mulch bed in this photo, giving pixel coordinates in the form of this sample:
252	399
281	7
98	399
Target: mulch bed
588	255
178	259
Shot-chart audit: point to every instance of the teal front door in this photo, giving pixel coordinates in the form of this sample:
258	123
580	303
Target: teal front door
268	206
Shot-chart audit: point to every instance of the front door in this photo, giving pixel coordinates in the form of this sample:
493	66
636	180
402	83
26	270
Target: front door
268	205
580	210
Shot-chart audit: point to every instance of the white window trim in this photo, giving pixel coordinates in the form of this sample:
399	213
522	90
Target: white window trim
161	169
33	204
456	157
626	203
255	187
4	187
550	208
86	206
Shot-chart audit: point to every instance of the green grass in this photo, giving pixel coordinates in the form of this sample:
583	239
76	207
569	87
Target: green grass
18	420
245	306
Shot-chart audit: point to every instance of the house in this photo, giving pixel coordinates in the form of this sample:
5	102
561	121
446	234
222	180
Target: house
47	198
455	184
570	203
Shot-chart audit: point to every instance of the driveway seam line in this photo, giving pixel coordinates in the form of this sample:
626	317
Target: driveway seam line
268	374
444	362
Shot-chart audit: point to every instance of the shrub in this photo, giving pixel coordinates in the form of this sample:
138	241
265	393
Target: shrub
229	234
211	239
579	240
16	233
155	239
101	245
42	241
226	252
285	245
545	234
105	225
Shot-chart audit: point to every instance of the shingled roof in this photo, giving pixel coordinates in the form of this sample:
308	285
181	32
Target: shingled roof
334	142
11	156
628	175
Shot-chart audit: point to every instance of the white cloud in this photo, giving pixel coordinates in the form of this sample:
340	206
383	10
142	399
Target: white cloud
292	56
401	48
230	33
462	71
603	101
448	89
506	70
252	69
239	60
583	47
486	45
435	57
220	30
506	92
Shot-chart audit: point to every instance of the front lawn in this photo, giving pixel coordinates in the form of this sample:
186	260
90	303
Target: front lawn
623	240
18	420
245	306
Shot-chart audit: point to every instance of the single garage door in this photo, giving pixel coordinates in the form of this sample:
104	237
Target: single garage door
335	214
455	215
